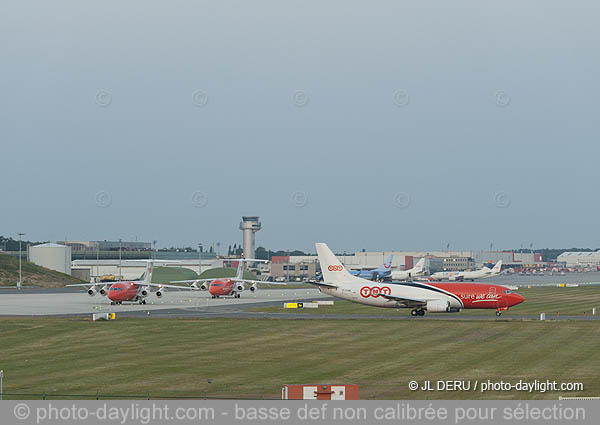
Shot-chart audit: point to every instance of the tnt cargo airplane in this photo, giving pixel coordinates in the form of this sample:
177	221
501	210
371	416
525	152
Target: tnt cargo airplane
378	273
482	273
433	297
417	270
228	286
129	291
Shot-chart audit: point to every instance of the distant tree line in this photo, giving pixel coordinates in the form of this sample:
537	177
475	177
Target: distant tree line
264	254
10	244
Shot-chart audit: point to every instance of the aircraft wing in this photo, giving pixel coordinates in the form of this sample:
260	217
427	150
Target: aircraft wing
405	300
162	285
259	281
92	284
196	280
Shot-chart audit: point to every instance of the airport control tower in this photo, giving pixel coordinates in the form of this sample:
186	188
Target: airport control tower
249	226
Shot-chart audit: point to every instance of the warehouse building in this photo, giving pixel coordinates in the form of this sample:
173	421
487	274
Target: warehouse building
580	259
51	256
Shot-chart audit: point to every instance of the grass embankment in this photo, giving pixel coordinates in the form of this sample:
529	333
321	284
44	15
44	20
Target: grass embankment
224	272
33	275
169	274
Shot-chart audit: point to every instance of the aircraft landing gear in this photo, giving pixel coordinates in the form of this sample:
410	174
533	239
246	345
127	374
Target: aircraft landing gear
214	296
498	313
142	302
417	312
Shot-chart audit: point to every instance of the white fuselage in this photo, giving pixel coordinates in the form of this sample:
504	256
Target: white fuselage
476	274
355	292
445	275
404	274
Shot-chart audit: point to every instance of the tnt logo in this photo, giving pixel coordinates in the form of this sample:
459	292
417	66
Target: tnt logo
334	268
374	291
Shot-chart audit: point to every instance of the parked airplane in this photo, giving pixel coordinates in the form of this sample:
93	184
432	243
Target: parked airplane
131	291
433	297
483	273
228	286
378	273
417	270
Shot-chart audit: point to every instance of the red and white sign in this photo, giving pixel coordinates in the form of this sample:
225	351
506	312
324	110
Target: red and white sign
319	392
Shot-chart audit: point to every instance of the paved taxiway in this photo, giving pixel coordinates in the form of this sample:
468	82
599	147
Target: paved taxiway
197	304
50	302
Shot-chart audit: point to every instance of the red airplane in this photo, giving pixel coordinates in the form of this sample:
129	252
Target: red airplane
418	296
228	286
129	291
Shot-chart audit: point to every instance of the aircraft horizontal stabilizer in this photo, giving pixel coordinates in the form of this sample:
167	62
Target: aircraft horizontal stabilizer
404	299
328	285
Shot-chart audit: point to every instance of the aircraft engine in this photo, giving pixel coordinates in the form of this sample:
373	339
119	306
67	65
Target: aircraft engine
145	292
103	291
240	287
201	286
253	288
92	291
438	306
159	293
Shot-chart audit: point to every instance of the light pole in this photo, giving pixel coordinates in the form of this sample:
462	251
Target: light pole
20	274
1	379
120	275
199	259
288	266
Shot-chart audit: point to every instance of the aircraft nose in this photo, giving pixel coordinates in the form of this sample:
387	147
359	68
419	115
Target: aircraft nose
517	299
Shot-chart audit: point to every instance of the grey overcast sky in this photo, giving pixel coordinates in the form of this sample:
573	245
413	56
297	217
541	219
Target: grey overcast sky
376	125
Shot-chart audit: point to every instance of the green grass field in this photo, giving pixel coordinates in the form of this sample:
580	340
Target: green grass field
253	358
553	301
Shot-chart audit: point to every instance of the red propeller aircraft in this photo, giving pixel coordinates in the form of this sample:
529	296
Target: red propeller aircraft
228	286
129	291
